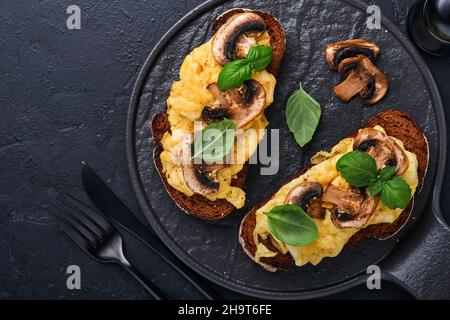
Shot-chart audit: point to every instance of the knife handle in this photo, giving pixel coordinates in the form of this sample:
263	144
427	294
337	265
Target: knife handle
155	291
153	242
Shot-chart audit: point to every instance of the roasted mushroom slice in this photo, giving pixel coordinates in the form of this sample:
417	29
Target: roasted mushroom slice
382	148
240	105
353	208
235	37
308	196
336	52
196	176
360	76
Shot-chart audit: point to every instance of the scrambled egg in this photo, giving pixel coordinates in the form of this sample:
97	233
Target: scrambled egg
186	101
331	239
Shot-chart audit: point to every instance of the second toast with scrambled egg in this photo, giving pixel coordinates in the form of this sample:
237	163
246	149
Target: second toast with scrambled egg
369	217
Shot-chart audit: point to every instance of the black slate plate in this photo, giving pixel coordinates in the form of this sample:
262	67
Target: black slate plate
211	248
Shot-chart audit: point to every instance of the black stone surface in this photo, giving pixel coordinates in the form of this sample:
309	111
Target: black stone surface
64	98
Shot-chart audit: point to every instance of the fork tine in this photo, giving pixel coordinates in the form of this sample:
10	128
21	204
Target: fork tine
70	217
91	214
84	219
74	234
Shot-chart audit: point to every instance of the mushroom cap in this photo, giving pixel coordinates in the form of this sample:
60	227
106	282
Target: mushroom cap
307	195
194	175
353	208
338	51
240	105
231	41
382	147
361	76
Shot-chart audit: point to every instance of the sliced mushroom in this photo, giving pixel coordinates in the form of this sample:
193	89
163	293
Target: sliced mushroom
196	176
235	37
353	208
336	52
308	196
360	76
385	151
240	105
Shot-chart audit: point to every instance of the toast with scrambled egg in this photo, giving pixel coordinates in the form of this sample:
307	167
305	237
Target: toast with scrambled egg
214	192
272	254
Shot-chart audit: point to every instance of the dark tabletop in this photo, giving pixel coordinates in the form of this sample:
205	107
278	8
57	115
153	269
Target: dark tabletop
64	96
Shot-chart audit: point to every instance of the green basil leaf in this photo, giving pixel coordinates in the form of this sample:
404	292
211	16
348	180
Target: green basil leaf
215	141
260	57
234	74
387	173
396	193
358	168
292	225
375	187
302	116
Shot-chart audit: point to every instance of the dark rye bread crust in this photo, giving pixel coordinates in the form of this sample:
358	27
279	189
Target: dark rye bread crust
198	205
397	124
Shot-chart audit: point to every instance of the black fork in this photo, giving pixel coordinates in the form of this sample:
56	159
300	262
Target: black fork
96	236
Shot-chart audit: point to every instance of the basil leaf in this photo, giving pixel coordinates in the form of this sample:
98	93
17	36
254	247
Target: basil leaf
302	116
358	168
375	187
396	193
387	173
260	57
292	225
215	141
234	74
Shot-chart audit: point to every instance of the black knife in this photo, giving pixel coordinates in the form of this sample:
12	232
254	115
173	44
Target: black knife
105	199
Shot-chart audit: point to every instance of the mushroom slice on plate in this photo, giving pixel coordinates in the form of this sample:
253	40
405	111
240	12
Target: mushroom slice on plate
235	37
307	195
240	105
353	208
360	76
196	176
382	148
336	52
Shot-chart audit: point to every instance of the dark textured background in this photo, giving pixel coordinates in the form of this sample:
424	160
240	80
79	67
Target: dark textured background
64	96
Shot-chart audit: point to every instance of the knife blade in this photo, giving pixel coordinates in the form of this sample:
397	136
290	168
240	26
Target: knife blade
105	199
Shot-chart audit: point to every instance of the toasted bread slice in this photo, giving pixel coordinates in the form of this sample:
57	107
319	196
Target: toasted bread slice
198	205
397	124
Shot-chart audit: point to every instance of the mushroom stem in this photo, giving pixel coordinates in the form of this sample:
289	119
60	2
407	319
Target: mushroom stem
353	208
351	86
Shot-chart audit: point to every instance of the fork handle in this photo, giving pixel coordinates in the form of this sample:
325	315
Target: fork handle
154	290
149	239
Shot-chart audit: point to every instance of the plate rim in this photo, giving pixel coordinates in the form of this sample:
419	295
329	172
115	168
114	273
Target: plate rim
146	207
